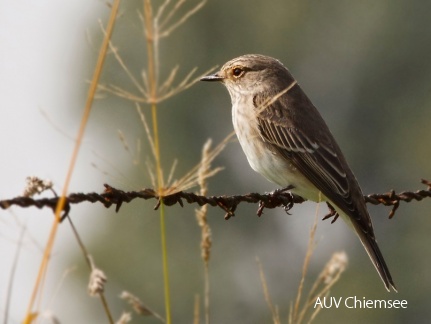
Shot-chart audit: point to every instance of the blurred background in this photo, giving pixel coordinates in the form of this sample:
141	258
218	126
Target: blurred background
365	65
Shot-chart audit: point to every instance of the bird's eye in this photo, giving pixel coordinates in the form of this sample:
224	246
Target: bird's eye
237	72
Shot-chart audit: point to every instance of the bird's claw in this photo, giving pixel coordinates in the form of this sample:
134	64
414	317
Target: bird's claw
275	202
332	213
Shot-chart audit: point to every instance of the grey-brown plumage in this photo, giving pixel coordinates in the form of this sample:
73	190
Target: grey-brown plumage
286	140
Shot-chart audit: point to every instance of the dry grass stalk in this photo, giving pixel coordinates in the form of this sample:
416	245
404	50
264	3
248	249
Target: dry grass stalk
97	282
139	307
196	310
124	318
311	245
273	99
273	309
146	128
201	215
165	27
133	155
49	317
196	176
11	280
321	287
327	278
29	316
165	92
192	177
150	90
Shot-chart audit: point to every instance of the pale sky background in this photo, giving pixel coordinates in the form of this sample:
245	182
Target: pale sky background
43	48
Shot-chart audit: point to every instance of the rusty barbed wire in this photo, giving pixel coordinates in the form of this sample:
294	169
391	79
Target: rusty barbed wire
278	198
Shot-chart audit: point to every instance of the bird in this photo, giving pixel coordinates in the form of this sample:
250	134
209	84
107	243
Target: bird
286	140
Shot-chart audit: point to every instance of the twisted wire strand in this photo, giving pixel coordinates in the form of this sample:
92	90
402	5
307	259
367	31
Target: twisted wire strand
278	198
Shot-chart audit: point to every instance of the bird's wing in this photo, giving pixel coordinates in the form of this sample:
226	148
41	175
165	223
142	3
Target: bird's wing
315	155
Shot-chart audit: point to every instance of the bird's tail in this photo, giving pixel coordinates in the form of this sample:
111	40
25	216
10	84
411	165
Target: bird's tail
370	245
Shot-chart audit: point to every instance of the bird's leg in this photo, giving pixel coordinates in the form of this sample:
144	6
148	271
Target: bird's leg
332	213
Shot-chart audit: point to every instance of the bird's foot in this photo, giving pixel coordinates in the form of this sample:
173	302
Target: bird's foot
274	199
332	213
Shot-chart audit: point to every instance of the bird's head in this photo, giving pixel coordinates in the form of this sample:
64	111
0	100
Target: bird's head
252	73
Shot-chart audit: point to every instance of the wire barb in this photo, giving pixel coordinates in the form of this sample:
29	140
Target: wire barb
277	198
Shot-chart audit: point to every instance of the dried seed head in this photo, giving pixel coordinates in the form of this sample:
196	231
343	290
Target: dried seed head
97	282
35	185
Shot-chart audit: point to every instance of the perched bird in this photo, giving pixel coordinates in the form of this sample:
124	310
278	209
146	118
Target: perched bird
287	141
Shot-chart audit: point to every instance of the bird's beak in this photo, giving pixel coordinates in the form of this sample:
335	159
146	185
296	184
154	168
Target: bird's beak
213	77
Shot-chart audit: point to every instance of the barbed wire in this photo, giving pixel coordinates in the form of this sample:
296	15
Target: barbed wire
278	198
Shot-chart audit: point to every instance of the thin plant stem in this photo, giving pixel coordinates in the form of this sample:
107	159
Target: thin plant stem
201	215
162	217
61	203
272	308
196	310
151	36
12	274
296	316
90	264
165	264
